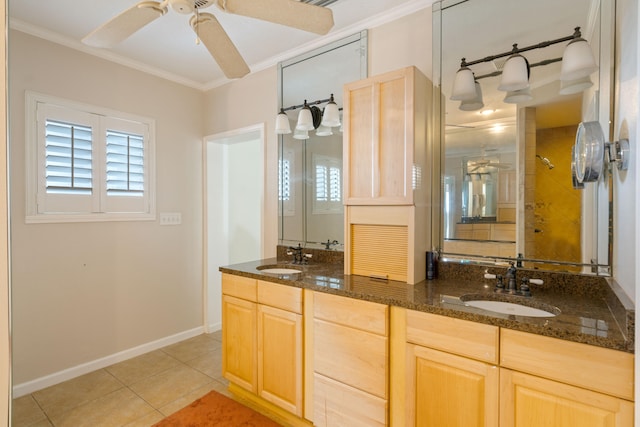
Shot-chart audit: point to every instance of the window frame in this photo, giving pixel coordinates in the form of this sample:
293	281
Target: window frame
102	207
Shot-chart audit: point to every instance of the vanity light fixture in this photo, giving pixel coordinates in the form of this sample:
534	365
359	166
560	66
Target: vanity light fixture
310	117
282	123
577	63
305	118
300	134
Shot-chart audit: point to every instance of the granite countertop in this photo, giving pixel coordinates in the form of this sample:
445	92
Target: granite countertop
589	313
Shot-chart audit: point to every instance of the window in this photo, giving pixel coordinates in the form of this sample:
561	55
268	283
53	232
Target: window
327	185
86	163
285	190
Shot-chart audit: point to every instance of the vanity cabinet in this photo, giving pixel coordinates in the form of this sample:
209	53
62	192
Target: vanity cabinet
547	381
350	362
262	340
452	374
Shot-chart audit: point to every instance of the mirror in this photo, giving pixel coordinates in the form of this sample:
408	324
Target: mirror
310	209
507	191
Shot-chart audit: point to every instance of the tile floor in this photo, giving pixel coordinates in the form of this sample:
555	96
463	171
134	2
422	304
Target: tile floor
135	393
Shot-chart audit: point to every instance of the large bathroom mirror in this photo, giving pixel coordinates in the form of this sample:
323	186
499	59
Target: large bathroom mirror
310	205
508	193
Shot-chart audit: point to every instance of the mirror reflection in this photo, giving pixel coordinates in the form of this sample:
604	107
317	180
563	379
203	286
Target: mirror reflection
310	163
507	181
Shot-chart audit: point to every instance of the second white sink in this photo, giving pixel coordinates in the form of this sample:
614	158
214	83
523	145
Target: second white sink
509	308
278	270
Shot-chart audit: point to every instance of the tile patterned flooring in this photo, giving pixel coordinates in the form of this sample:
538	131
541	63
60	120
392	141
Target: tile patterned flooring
135	393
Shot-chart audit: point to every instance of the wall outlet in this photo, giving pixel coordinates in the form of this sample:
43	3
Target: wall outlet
170	218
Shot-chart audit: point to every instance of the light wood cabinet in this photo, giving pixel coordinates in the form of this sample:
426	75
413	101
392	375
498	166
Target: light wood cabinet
452	377
350	362
385	146
263	340
563	383
531	401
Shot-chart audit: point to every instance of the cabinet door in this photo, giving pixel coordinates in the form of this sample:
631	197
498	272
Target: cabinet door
339	405
280	358
529	401
379	139
449	390
239	342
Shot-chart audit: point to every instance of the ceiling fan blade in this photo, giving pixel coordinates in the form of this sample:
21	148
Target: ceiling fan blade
219	45
292	13
125	24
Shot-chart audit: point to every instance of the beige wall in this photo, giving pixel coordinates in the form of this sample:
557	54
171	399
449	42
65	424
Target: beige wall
83	291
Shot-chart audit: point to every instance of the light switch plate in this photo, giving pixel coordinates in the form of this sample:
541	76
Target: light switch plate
170	218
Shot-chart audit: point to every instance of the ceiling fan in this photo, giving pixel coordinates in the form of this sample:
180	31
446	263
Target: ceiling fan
292	13
484	162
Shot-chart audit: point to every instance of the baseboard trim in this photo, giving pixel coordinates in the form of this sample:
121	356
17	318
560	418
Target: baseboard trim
75	371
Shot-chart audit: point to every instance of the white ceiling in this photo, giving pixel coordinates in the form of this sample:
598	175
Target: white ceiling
167	47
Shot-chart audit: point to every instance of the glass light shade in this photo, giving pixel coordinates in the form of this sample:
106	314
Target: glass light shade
515	74
518	96
300	134
568	87
305	119
473	104
463	85
324	131
577	60
282	123
331	114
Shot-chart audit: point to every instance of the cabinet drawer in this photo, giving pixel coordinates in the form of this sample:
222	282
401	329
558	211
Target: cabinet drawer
351	356
240	287
364	315
596	368
461	337
280	296
338	405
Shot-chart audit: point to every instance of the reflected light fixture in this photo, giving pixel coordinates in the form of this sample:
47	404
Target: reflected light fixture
475	103
300	134
568	87
324	131
518	96
282	123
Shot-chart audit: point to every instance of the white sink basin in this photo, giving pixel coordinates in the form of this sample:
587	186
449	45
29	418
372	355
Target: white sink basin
510	308
278	270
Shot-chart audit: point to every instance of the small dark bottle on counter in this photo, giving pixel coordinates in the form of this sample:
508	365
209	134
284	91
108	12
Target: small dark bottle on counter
432	265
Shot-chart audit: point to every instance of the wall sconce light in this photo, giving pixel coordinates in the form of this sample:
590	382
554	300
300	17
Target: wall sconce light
310	117
282	123
577	63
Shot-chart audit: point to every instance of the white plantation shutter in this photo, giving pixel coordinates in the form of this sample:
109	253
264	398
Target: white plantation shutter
68	168
87	164
327	185
125	164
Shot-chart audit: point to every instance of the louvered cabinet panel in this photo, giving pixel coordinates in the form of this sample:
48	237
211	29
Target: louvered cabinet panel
379	250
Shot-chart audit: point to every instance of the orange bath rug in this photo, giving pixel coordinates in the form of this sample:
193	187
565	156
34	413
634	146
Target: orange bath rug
214	409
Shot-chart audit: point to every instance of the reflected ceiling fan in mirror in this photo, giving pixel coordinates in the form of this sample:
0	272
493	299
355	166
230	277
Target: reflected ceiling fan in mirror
292	13
484	162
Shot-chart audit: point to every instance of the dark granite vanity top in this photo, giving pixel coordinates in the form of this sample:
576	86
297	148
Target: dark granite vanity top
591	309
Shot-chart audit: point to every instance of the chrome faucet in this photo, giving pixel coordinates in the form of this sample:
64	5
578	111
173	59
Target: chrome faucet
329	243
